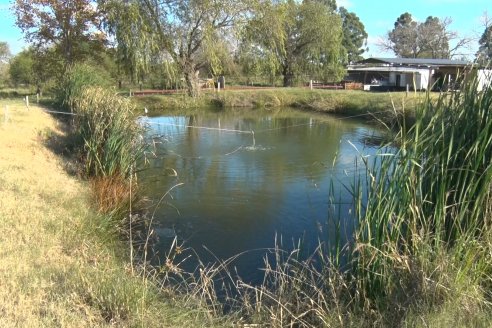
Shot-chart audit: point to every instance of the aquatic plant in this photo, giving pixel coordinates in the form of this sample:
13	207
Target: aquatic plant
428	202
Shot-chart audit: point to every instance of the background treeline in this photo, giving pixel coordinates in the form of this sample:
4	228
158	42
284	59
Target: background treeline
181	44
178	44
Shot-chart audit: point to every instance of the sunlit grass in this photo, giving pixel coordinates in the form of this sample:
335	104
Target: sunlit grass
371	106
57	268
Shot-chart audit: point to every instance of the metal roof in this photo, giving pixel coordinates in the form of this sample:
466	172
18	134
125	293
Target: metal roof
415	61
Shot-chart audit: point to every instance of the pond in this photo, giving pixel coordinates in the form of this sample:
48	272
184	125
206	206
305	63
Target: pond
246	179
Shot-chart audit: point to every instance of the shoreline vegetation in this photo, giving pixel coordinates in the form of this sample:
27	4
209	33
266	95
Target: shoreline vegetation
60	265
383	107
422	249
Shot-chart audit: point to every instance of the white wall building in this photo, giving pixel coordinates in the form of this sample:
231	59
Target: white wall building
413	73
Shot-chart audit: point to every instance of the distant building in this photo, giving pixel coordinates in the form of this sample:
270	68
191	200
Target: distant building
413	74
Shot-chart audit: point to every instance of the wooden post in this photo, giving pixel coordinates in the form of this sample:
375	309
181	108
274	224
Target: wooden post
5	114
37	98
311	84
408	88
218	86
27	102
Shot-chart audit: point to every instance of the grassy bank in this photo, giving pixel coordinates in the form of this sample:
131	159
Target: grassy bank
366	105
420	255
59	266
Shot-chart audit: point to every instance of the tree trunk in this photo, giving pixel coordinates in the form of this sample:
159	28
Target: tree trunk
191	79
288	76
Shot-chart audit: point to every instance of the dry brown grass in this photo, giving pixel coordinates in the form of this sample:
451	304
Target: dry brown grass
54	271
37	204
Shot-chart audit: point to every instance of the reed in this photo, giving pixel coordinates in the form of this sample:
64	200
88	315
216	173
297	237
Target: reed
427	202
76	79
106	123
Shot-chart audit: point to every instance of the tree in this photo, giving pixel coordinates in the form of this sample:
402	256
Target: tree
484	53
186	31
4	51
21	68
297	37
430	39
354	35
71	27
403	38
4	57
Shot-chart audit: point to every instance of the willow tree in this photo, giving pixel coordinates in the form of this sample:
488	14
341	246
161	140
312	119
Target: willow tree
297	38
186	31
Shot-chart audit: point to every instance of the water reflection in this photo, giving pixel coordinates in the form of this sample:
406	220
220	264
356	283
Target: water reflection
250	176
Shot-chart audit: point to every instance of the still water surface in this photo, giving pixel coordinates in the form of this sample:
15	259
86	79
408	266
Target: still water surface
249	176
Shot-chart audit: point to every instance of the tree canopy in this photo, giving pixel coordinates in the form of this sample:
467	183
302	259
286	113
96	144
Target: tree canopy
354	35
4	51
484	54
71	27
188	32
21	68
429	39
294	38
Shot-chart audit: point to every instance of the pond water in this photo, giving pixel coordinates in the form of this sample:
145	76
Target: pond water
249	177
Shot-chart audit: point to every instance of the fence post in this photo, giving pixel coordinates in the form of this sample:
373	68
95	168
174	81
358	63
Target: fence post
27	102
5	114
311	84
37	98
218	86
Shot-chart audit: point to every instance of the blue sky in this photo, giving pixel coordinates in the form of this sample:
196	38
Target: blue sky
378	17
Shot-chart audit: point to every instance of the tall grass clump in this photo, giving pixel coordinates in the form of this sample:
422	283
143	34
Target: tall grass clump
107	125
425	228
76	79
106	138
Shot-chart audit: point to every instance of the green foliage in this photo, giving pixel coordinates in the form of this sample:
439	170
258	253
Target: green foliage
484	54
77	78
427	201
105	122
403	37
354	35
70	27
4	51
188	33
21	68
4	65
429	39
292	38
434	40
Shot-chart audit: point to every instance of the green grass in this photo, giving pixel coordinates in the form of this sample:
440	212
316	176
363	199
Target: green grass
365	105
